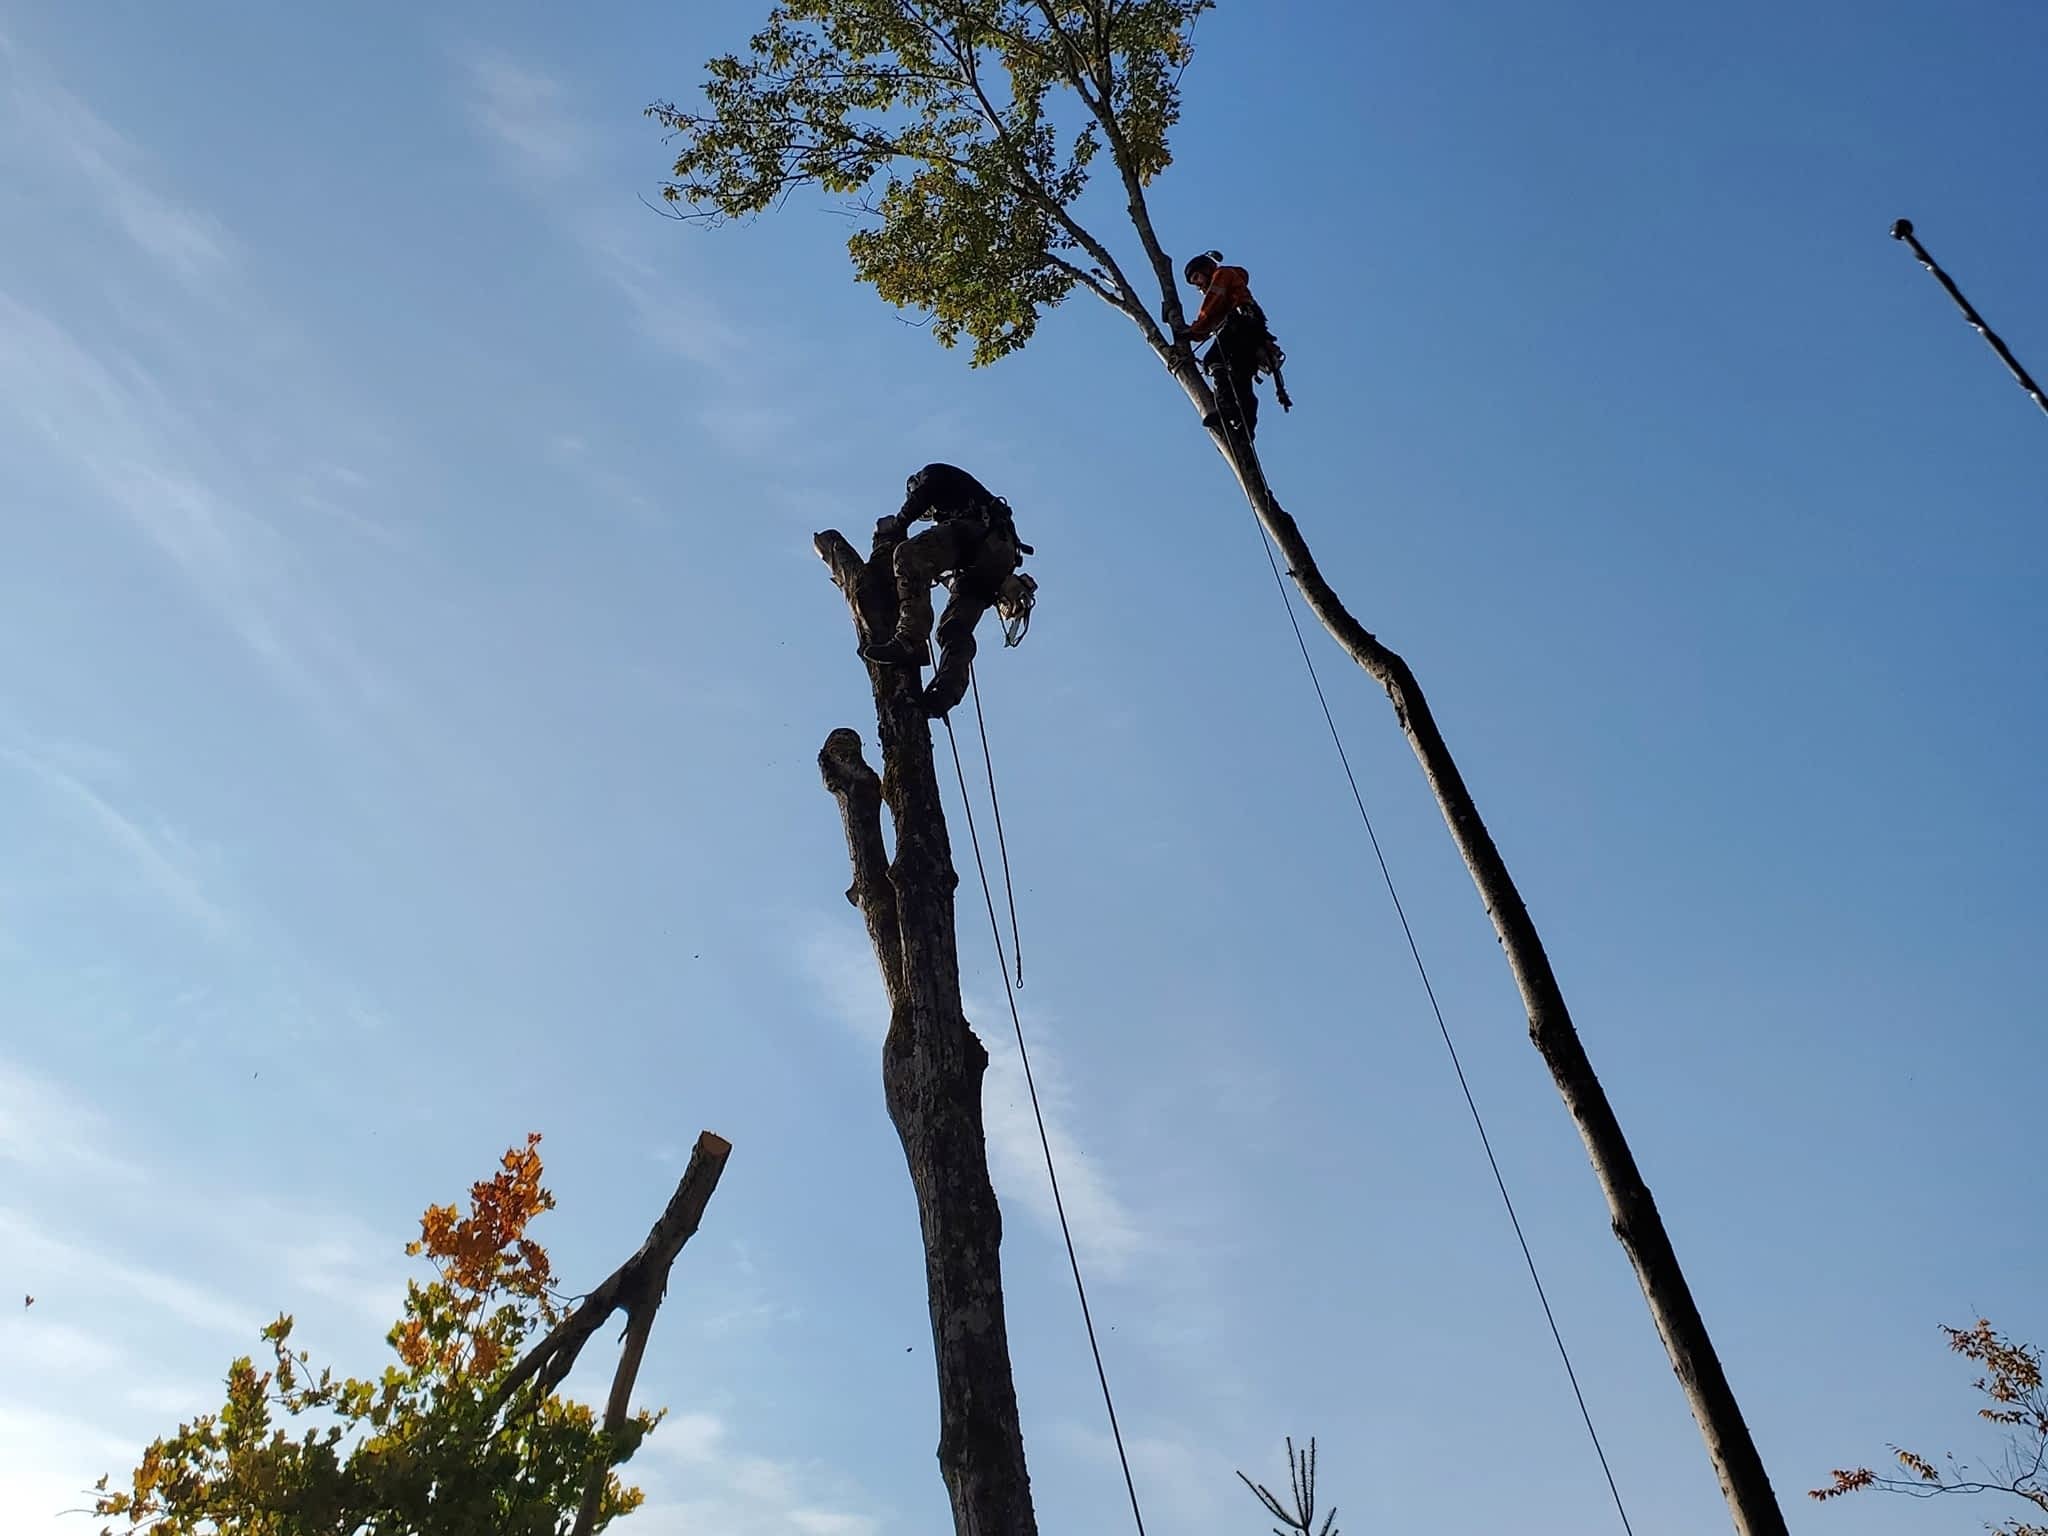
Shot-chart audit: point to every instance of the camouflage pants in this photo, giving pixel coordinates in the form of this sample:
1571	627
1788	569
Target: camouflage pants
963	546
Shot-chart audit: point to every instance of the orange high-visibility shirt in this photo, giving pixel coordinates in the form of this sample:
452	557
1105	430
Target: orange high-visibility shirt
1229	287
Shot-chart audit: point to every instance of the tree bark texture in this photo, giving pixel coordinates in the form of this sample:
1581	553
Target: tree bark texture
932	1064
1637	1223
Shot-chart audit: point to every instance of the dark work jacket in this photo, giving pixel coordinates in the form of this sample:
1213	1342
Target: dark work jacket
943	492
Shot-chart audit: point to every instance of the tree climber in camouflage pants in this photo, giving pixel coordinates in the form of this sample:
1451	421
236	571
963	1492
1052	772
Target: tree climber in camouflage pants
974	541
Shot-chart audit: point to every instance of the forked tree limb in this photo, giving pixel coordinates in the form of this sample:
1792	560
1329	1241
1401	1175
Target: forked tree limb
637	1286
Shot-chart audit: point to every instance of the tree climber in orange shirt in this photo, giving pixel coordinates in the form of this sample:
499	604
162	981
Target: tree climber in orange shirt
1244	348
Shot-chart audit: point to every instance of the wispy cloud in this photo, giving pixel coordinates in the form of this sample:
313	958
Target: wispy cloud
698	1479
1183	1480
59	1265
526	115
337	493
1107	1234
64	1154
347	1267
161	860
667	311
32	1346
112	390
49	123
119	432
47	1463
844	977
128	1320
45	1129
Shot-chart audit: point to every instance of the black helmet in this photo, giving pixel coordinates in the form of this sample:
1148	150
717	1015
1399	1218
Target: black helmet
1208	259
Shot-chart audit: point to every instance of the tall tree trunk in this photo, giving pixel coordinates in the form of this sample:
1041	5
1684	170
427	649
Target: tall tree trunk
1744	1482
1637	1223
932	1064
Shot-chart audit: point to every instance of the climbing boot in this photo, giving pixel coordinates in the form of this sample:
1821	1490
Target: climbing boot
893	652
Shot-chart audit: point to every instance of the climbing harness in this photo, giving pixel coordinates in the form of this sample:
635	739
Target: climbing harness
1016	596
1270	358
1031	1082
1903	230
1246	459
1017	593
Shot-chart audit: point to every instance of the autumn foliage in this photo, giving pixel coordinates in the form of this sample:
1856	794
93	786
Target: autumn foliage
2012	1381
421	1449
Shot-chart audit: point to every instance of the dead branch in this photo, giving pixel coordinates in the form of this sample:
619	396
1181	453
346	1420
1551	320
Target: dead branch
637	1286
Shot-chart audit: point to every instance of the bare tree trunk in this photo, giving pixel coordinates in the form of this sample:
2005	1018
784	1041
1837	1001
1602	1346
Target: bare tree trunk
932	1064
1744	1482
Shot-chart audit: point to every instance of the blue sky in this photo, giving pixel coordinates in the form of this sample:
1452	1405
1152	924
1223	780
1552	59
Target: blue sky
412	662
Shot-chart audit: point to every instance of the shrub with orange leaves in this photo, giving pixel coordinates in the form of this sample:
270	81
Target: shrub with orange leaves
420	1450
2012	1380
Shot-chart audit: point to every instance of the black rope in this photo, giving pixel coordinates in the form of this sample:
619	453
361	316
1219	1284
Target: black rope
1044	1140
1457	1065
995	802
1903	230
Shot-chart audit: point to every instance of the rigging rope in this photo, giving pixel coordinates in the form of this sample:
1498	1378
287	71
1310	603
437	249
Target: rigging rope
1256	471
1024	1055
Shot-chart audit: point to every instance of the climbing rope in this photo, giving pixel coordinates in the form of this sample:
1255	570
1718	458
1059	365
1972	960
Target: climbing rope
1256	471
1030	1082
995	803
